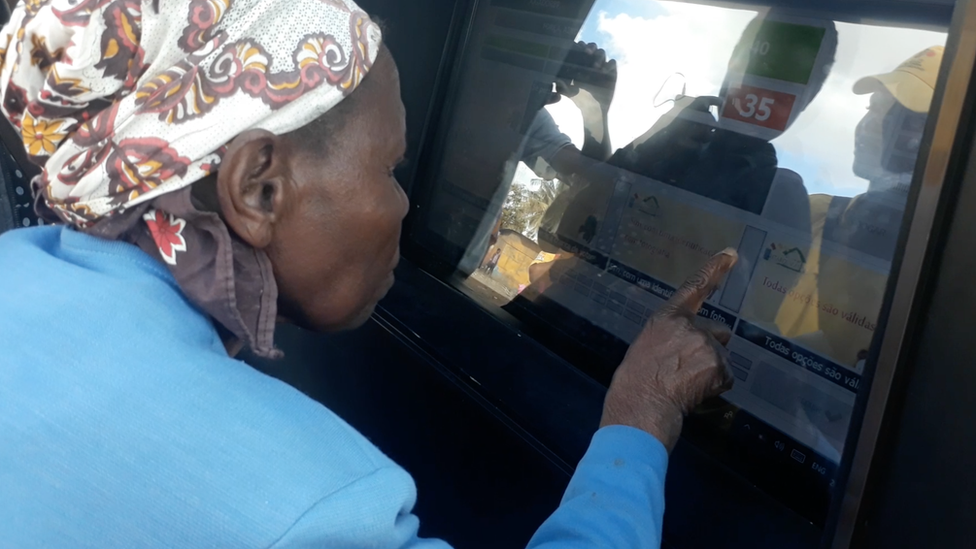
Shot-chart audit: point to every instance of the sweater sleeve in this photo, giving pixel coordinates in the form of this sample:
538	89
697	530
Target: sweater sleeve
615	499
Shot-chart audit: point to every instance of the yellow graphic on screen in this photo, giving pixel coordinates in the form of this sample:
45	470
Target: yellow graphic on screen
668	240
822	302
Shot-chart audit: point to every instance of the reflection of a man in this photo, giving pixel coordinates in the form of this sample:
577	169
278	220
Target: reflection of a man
886	147
887	141
732	160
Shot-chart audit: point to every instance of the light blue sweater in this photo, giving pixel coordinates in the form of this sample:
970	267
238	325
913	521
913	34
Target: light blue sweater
124	424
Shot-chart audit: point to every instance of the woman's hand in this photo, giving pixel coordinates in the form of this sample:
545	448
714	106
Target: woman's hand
678	361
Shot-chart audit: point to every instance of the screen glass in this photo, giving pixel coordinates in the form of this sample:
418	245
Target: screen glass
597	154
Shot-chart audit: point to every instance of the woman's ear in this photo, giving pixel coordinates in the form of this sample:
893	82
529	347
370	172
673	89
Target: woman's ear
252	186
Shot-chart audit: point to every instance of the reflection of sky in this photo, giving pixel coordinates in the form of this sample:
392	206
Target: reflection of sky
652	40
645	9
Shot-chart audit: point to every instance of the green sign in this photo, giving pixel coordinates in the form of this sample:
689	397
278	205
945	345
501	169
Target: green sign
785	51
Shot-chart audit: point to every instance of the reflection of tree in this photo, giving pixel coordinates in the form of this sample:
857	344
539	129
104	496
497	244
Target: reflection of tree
513	216
525	207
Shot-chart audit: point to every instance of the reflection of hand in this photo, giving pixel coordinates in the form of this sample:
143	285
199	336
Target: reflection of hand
587	69
673	142
678	361
684	122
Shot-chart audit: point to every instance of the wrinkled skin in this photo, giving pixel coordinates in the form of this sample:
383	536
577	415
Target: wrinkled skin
677	361
330	219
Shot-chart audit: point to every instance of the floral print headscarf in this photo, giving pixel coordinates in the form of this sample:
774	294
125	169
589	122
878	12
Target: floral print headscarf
126	103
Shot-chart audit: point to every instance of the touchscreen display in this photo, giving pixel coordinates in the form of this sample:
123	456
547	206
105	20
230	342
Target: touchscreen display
596	154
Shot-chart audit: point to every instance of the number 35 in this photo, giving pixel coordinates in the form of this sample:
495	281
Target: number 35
755	108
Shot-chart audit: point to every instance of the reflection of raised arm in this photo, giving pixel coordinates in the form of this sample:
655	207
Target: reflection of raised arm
545	141
589	79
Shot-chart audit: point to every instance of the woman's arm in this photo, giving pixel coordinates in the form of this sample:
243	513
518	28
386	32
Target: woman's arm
616	497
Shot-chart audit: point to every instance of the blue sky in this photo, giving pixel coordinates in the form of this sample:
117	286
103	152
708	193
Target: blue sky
644	9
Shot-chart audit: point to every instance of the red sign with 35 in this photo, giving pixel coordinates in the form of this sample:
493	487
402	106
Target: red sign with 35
759	106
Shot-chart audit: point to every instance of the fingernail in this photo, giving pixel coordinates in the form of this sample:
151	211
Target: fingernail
729	252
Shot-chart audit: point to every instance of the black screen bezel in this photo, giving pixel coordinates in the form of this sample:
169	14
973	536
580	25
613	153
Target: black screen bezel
428	251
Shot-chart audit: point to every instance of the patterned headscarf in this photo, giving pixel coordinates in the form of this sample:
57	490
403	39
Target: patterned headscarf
126	103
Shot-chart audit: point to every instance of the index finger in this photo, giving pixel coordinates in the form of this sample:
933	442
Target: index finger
690	297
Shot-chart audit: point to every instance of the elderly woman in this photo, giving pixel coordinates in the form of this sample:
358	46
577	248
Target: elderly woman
213	167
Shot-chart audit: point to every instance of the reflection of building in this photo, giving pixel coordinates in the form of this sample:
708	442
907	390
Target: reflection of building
518	253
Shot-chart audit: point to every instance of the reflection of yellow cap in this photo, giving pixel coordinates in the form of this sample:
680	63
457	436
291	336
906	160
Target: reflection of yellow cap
912	83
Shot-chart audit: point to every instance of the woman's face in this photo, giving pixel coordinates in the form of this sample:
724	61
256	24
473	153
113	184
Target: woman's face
335	252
